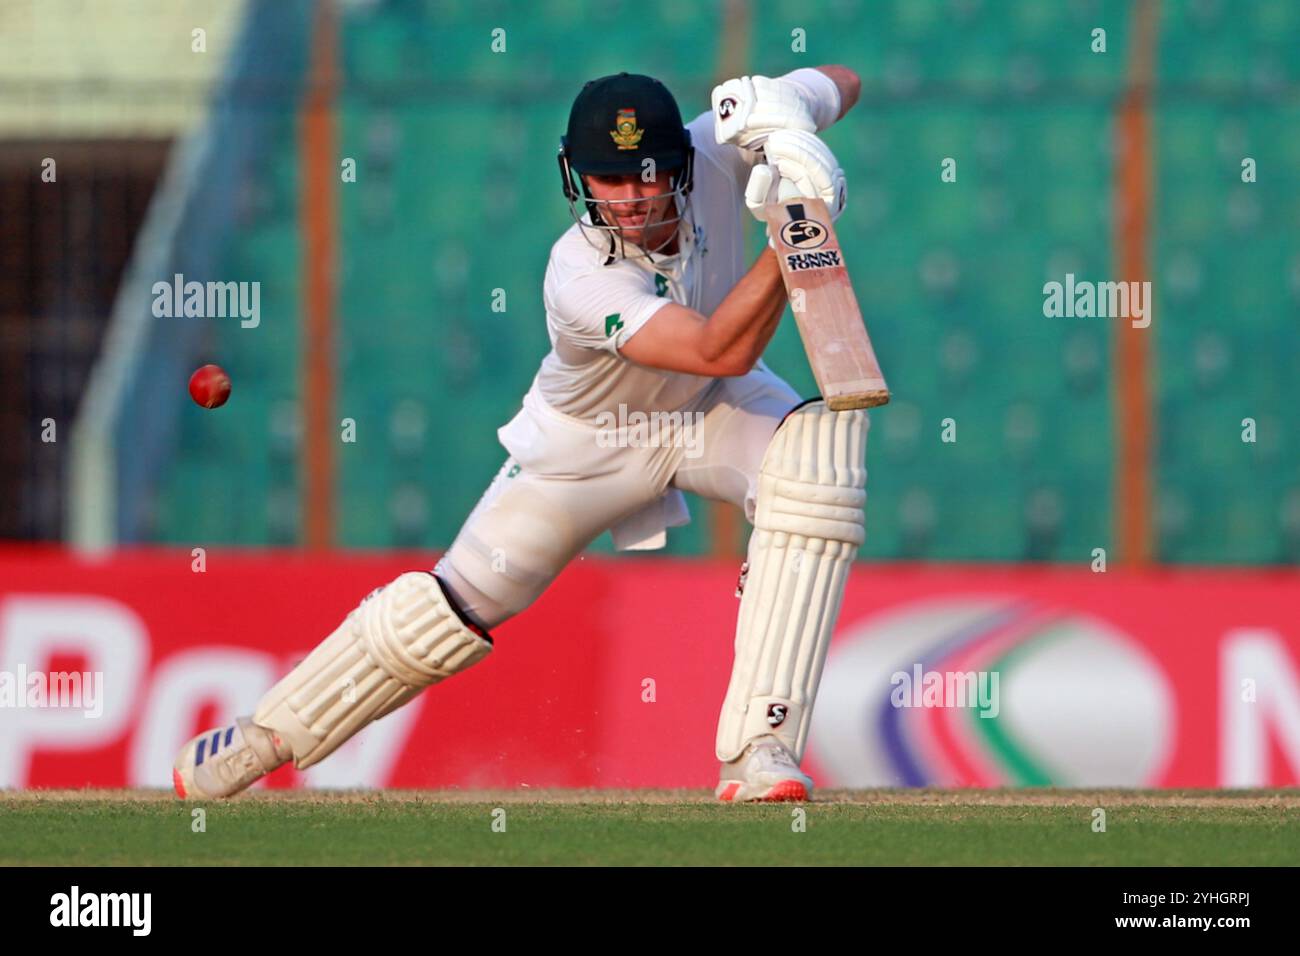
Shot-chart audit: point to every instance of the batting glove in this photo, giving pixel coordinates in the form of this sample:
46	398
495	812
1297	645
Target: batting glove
748	109
797	164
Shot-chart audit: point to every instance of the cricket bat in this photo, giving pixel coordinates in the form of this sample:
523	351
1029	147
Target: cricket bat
824	306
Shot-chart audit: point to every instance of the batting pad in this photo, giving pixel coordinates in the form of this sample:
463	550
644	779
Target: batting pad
402	638
808	525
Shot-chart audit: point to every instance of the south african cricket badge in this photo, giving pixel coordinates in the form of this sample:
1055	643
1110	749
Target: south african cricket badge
625	132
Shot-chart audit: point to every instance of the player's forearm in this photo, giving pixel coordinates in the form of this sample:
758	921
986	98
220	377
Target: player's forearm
762	331
742	325
847	82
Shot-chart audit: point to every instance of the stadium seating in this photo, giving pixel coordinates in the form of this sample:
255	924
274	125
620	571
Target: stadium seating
456	198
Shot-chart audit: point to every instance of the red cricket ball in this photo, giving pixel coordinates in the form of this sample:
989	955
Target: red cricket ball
210	386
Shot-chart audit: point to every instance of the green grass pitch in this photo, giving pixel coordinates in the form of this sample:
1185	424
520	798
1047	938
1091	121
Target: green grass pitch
655	828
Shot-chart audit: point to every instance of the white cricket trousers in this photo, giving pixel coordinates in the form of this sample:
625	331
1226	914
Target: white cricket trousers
530	523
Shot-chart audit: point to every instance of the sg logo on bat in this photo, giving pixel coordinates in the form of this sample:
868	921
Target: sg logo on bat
804	233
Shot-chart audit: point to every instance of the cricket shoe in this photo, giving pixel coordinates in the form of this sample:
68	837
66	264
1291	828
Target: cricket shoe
766	772
222	762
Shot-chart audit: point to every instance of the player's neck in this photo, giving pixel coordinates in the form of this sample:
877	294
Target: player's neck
672	246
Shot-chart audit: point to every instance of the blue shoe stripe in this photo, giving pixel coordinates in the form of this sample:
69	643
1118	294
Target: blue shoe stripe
207	749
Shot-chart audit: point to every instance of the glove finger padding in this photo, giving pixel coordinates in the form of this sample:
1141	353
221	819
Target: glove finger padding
807	168
759	192
762	188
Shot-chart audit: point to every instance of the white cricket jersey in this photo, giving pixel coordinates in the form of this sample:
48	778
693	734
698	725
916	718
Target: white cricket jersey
594	305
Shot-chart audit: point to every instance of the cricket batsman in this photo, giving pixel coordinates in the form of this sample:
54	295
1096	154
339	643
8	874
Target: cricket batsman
652	315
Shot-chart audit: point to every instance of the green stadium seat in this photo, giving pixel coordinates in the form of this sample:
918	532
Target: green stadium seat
456	196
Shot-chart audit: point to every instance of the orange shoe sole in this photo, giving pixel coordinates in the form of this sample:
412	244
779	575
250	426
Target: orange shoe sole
787	791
